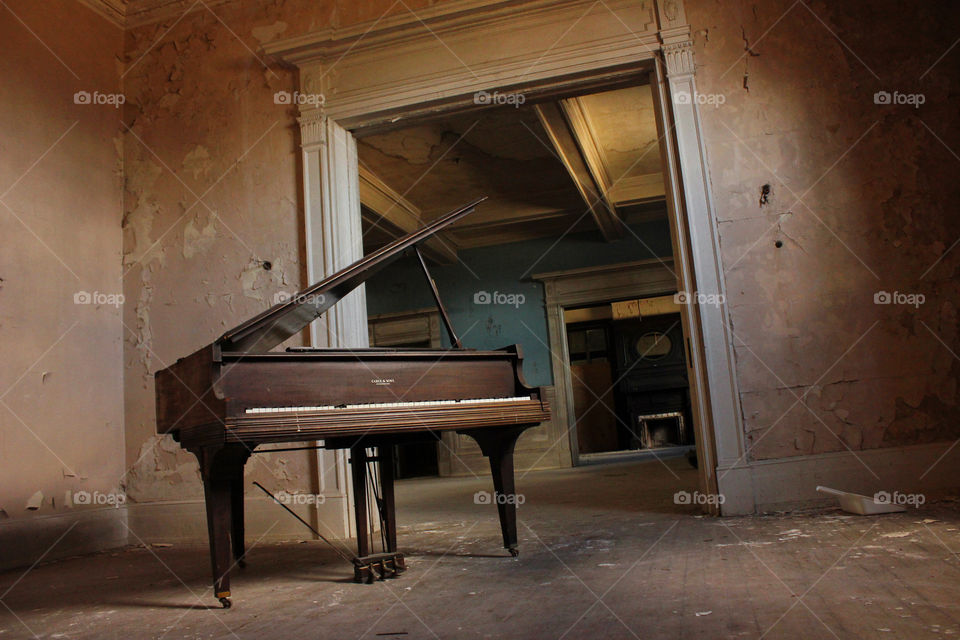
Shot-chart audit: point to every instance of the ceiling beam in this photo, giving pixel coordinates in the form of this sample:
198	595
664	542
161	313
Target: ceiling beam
562	138
619	190
576	116
403	215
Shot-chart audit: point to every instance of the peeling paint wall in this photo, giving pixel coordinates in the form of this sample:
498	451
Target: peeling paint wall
862	201
212	218
61	420
213	221
858	204
212	225
187	200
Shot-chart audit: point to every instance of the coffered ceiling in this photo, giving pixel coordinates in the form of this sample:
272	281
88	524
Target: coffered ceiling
585	163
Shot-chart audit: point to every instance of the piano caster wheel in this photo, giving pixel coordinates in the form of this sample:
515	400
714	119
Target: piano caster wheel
242	563
225	603
514	552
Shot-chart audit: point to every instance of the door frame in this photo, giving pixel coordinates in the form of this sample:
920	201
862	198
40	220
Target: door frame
404	67
590	286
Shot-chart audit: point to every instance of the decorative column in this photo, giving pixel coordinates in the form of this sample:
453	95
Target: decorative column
334	239
732	473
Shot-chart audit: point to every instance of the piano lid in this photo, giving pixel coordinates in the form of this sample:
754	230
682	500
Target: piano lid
268	329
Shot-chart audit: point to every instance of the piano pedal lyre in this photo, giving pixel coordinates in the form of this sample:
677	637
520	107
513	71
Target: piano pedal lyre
379	566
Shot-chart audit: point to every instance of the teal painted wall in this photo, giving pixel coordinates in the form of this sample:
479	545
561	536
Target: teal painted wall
517	315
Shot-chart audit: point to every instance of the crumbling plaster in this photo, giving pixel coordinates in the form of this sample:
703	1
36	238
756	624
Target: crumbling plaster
212	217
850	204
862	201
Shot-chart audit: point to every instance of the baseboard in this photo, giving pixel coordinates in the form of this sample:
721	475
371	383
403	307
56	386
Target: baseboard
186	521
24	541
790	483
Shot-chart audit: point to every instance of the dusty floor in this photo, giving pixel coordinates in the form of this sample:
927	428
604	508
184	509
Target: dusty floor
599	559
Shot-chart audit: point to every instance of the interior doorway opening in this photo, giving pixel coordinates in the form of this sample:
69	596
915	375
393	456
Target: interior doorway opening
416	82
576	182
629	381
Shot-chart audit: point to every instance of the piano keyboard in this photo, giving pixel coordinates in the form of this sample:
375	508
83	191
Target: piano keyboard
385	405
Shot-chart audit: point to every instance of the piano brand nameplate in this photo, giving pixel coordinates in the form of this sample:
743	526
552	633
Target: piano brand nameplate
256	382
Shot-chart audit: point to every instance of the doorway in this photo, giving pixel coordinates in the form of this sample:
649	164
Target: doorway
573	182
629	383
418	79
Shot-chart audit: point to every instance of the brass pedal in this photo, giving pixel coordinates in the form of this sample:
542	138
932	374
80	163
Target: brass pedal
379	566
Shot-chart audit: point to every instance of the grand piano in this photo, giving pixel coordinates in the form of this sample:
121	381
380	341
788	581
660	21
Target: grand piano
233	395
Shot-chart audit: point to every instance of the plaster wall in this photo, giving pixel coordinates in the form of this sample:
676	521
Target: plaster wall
212	223
187	198
61	397
213	219
862	201
859	202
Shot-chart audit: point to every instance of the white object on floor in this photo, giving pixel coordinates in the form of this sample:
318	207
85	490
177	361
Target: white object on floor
861	505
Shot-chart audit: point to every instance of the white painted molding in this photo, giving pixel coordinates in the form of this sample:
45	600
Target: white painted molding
403	64
401	68
788	483
333	241
440	20
334	238
701	226
311	129
678	58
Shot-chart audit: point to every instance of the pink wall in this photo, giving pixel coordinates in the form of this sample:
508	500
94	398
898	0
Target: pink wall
863	200
61	414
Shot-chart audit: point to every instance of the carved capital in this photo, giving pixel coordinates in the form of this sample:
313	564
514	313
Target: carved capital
678	58
311	128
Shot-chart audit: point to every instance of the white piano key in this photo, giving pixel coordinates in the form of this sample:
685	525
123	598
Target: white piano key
384	405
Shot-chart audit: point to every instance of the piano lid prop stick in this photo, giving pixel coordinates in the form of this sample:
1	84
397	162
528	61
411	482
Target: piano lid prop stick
350	559
454	340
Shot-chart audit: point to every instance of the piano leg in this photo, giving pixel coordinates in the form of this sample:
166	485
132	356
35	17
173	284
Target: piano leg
358	469
498	445
222	471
